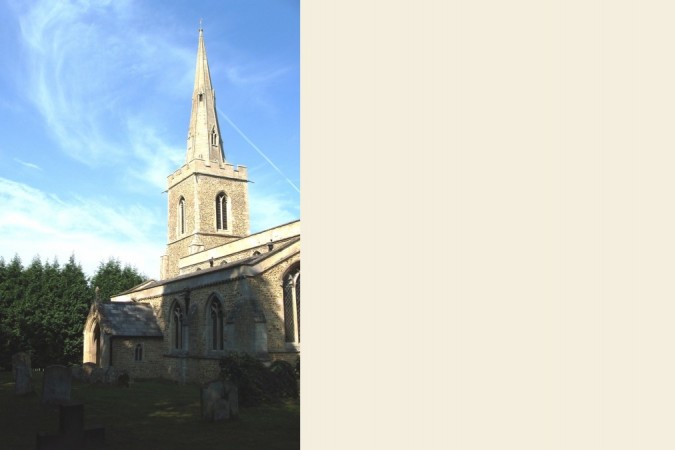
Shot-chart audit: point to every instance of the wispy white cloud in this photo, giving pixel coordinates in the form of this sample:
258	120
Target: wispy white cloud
27	164
159	159
269	209
38	223
241	75
80	76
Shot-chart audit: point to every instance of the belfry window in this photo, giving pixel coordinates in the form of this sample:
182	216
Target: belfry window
181	216
292	305
221	212
214	138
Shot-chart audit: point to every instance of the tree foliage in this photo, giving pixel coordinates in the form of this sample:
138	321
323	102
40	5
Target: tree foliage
44	305
111	278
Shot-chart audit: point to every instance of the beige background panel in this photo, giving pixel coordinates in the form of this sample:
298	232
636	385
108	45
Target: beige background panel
499	273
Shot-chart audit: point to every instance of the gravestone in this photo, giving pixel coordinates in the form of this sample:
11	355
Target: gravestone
232	393
23	373
87	369
97	375
219	400
76	372
221	410
72	435
56	385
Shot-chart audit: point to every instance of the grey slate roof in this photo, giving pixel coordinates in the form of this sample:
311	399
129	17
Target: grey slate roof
128	319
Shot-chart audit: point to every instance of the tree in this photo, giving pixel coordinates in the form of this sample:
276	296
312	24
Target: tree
43	307
111	279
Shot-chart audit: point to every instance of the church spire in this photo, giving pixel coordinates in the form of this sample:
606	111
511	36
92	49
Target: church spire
204	141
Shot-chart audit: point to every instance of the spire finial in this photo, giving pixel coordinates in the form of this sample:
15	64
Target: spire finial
200	24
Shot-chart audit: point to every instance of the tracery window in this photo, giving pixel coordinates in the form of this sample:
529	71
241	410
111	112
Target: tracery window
177	327
216	324
292	305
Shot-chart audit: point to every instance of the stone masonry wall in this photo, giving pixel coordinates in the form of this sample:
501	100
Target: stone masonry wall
200	192
150	366
197	361
269	289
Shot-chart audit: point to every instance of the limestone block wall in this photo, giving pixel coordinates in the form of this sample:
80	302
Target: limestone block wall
237	192
253	322
269	289
150	365
199	190
191	369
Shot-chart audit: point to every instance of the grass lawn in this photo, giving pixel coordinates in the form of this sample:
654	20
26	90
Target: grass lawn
153	414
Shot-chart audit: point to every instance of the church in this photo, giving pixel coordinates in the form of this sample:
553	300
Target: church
221	289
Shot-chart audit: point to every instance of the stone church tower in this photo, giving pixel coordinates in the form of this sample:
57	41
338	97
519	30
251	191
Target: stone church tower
222	290
208	197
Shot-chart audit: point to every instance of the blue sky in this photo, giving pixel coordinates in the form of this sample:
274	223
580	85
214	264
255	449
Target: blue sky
95	101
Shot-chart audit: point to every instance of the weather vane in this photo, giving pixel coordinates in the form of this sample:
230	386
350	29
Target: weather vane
200	23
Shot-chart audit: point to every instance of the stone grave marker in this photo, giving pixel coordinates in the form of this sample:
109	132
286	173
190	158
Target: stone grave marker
232	392
56	385
23	373
219	400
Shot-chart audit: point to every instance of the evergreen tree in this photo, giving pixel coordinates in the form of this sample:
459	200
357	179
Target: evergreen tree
111	279
75	298
11	293
43	307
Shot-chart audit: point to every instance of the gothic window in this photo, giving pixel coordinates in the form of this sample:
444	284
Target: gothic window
292	305
214	137
181	216
177	327
138	353
221	211
215	324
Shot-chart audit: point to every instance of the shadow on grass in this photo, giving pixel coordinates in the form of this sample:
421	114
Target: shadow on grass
149	414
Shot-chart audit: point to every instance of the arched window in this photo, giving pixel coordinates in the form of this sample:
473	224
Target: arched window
181	216
292	305
221	212
177	327
215	325
138	353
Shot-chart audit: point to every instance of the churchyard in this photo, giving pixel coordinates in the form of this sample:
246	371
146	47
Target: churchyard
146	414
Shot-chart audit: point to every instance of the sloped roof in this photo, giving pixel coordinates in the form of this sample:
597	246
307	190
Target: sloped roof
220	267
128	319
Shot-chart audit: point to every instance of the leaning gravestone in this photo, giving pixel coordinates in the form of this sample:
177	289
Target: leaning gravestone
56	385
219	400
23	374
